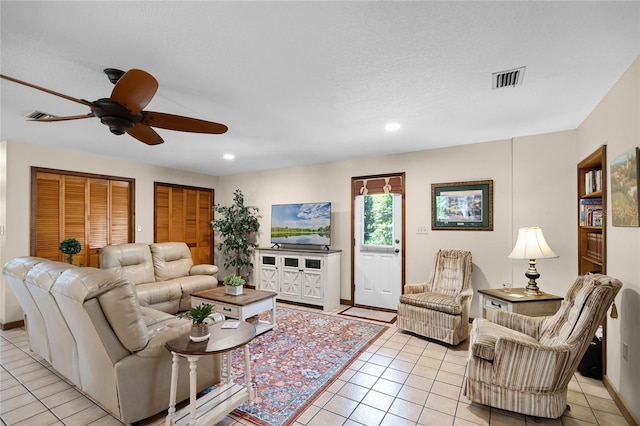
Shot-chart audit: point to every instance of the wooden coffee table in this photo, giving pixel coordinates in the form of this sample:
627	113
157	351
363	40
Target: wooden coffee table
250	303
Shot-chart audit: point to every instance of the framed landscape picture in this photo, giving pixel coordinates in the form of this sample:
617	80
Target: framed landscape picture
462	206
624	189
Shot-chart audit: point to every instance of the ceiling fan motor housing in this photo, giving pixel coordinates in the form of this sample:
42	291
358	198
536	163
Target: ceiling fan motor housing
115	116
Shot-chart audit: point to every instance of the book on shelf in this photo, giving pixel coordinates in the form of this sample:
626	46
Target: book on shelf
591	212
592	181
594	246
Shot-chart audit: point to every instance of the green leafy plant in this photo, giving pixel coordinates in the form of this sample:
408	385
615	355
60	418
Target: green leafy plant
197	314
237	225
234	280
70	246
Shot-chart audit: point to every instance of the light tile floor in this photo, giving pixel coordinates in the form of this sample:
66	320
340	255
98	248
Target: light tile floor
400	380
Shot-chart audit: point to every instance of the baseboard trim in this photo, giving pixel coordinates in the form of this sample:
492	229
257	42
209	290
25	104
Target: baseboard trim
626	413
10	325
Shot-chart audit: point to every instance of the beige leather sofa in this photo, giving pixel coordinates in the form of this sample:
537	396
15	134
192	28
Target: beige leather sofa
87	323
163	273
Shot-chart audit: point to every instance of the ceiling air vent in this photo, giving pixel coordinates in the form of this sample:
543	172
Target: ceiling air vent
508	78
38	115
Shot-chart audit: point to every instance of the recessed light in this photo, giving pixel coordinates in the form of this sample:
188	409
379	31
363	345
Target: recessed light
392	127
228	156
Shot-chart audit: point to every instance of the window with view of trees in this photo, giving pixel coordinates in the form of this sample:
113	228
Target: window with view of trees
378	220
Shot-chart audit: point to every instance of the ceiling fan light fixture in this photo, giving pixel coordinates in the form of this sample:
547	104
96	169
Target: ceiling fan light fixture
229	157
392	127
117	125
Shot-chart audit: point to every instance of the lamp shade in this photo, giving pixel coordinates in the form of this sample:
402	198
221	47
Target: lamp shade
531	245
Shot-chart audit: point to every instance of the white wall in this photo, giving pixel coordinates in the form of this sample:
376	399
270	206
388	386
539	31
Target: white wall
616	122
15	194
534	184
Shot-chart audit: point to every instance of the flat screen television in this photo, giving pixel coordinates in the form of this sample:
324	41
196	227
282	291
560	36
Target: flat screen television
303	223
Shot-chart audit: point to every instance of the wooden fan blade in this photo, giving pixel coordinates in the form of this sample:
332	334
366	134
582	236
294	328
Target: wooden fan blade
51	92
69	117
134	90
180	123
145	134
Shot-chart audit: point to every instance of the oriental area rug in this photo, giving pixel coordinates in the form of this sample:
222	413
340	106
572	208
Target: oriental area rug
293	363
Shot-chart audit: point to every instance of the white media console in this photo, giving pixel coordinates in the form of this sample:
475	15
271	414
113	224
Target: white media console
300	275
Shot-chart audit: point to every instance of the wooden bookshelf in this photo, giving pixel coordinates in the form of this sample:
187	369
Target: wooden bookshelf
592	217
592	233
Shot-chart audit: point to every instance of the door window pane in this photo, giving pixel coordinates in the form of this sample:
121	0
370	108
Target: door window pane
378	220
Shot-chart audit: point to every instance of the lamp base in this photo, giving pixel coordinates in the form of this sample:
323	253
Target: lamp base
532	290
532	287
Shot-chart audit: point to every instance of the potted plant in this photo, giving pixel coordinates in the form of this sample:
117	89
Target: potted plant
233	284
237	226
70	246
199	326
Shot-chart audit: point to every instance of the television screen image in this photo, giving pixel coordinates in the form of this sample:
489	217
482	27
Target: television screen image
305	223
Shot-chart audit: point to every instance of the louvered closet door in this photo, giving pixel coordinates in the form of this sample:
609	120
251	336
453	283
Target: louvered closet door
184	214
46	238
95	211
98	218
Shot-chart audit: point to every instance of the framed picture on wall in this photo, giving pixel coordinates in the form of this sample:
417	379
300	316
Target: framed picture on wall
462	206
624	189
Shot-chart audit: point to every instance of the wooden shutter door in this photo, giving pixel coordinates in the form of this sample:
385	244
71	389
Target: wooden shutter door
46	238
95	210
184	214
120	212
98	219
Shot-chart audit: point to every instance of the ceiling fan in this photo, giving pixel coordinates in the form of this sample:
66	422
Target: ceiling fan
123	110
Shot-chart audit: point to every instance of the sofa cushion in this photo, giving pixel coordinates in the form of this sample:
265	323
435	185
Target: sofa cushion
434	301
152	294
171	260
131	261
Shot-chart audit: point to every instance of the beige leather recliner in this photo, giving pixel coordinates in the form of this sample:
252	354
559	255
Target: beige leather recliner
163	273
88	324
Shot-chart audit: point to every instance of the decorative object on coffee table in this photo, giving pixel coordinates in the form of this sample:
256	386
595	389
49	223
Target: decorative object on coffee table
233	284
70	246
237	226
199	327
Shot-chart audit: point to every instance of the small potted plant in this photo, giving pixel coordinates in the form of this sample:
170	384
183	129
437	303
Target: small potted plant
199	326
233	284
70	246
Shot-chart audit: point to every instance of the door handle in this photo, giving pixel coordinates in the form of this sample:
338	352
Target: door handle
397	250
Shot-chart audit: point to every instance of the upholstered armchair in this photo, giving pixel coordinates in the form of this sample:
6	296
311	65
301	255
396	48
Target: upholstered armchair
524	364
439	308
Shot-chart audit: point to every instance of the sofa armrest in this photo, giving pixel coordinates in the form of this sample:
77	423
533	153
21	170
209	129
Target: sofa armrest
415	288
518	322
203	269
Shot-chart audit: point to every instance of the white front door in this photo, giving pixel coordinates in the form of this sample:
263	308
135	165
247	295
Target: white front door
378	250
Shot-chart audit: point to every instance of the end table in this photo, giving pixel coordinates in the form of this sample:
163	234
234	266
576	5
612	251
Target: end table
227	396
516	301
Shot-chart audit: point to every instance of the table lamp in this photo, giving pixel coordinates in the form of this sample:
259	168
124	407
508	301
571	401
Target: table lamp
531	245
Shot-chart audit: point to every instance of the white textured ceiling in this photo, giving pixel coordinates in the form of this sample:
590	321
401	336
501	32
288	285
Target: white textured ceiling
311	82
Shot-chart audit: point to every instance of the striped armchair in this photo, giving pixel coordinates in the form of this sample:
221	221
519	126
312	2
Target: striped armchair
524	364
439	308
